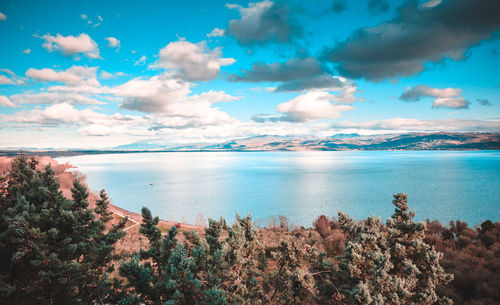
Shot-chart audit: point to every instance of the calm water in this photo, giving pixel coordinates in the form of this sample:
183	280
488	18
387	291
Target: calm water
442	185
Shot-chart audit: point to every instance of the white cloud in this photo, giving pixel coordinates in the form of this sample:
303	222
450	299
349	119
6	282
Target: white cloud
431	3
216	33
106	130
443	98
2	16
346	91
192	62
72	45
26	51
454	103
5	101
311	106
153	94
83	16
171	102
65	113
4	80
54	98
98	23
74	76
10	78
408	125
107	75
113	42
8	71
141	61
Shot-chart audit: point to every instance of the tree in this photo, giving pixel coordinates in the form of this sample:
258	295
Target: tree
384	264
171	273
52	250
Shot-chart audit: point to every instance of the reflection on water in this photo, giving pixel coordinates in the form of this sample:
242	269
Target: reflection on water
299	185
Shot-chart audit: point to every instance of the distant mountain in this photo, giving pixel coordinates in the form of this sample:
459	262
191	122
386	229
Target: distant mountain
408	141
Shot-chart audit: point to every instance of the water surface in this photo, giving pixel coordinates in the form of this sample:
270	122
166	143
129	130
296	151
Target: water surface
443	185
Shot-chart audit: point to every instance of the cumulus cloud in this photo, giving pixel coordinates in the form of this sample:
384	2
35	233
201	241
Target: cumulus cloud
5	101
113	42
74	76
417	35
293	69
295	75
152	94
484	102
323	81
406	124
65	113
72	45
454	102
2	16
417	92
216	33
168	95
310	106
192	61
444	98
263	22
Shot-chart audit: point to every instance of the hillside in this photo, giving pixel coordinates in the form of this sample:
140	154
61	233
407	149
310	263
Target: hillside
338	142
409	141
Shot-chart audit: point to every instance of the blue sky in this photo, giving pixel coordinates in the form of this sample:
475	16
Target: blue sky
99	74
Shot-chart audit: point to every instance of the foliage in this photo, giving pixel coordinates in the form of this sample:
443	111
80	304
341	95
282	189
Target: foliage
52	250
473	256
383	264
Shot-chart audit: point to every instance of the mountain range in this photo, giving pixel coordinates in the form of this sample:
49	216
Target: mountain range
337	142
408	141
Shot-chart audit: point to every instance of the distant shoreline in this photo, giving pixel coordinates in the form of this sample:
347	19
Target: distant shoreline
437	141
71	153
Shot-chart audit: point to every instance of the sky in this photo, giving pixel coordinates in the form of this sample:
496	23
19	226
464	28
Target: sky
107	74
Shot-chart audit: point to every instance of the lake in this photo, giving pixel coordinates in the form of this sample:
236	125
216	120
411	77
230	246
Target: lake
190	186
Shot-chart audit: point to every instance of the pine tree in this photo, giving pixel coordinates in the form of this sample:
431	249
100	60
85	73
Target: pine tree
102	207
246	263
52	250
171	273
380	264
288	282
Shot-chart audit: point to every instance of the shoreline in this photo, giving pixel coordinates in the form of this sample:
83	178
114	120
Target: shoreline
136	218
74	153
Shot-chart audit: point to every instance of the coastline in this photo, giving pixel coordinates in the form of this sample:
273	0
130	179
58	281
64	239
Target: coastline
65	179
438	141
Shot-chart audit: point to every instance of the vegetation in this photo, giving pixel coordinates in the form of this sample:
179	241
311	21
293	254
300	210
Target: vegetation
55	250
